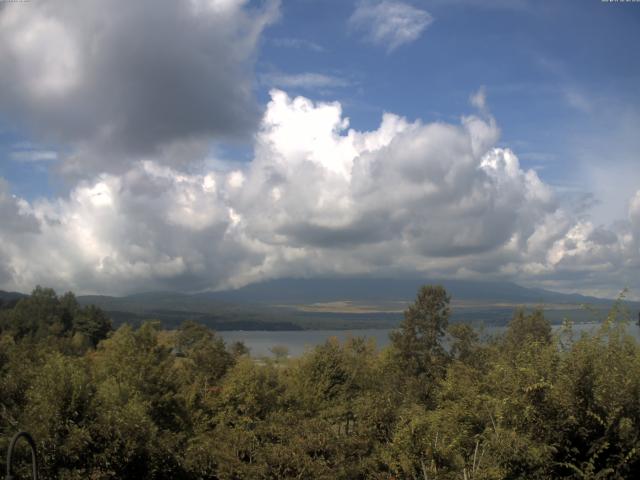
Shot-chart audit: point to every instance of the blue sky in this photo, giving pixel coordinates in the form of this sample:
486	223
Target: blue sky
561	77
95	99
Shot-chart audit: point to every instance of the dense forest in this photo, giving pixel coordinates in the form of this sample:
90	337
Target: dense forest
438	403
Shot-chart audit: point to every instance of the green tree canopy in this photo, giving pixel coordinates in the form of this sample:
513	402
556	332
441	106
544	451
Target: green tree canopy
418	341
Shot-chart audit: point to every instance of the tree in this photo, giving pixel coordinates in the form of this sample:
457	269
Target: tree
465	341
418	342
38	316
58	410
189	334
238	349
204	351
280	352
92	322
526	328
43	314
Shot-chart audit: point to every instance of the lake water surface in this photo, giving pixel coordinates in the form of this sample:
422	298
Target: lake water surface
260	342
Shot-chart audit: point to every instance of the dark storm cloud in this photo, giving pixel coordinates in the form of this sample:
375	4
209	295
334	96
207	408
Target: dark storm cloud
119	80
362	232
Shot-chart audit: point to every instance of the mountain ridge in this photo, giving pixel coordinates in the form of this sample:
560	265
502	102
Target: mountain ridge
294	303
296	290
330	289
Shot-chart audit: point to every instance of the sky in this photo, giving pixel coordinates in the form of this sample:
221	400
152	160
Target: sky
208	144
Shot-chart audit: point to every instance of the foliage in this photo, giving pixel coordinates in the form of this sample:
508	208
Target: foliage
44	315
439	403
418	342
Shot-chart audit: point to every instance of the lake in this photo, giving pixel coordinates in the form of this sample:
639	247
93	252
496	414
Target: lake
260	342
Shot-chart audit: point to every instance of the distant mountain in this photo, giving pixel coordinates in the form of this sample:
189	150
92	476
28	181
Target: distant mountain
10	296
9	299
316	290
313	290
283	304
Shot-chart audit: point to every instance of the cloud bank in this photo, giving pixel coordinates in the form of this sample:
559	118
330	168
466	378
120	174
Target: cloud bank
318	198
135	94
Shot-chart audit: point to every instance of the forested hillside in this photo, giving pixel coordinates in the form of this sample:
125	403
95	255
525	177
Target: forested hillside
149	403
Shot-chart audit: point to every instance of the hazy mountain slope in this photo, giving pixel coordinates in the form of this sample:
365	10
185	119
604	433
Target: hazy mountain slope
11	295
371	289
262	305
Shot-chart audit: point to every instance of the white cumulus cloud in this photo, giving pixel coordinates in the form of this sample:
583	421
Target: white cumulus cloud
319	198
